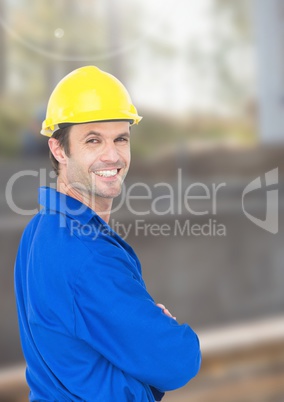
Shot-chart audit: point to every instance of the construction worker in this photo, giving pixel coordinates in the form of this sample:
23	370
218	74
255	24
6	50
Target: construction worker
89	329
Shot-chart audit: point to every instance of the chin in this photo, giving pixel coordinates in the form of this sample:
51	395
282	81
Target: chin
109	194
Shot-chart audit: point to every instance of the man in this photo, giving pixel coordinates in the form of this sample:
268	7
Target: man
89	329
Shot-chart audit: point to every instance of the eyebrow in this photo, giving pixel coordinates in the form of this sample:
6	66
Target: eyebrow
92	132
98	134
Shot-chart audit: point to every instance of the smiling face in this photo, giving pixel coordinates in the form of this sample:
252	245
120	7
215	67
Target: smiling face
98	162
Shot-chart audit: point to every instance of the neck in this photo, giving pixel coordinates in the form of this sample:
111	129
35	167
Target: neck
102	206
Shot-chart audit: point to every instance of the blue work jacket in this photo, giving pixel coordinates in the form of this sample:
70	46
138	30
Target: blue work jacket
89	329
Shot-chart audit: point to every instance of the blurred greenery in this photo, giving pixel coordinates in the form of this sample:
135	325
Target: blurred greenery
10	125
41	42
155	133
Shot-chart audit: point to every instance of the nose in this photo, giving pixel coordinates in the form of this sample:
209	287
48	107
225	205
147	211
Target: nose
109	153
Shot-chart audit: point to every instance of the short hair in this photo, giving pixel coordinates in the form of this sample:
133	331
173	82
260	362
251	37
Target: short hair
62	136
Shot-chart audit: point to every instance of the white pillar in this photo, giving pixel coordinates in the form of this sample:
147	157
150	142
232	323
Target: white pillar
268	16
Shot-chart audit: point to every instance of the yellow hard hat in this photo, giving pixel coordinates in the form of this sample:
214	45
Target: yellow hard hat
85	95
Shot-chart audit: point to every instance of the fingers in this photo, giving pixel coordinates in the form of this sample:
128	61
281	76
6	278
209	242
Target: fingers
166	311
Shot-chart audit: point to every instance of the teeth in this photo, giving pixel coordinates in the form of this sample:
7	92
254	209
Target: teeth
106	173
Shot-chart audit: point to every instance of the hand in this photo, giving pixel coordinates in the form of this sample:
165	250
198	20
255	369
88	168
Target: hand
166	311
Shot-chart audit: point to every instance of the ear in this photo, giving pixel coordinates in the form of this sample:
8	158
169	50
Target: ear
57	151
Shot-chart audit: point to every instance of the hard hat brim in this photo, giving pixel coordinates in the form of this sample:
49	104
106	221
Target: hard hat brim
48	129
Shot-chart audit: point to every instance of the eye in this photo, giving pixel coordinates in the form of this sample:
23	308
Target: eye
121	139
92	141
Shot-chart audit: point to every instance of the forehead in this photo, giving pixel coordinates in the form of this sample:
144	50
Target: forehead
106	129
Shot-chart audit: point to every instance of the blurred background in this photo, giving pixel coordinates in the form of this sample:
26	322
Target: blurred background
208	77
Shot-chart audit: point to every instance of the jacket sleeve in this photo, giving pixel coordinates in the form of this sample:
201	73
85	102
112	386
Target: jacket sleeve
117	317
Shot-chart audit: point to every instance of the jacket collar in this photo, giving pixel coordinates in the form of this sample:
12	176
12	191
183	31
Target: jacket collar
53	200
